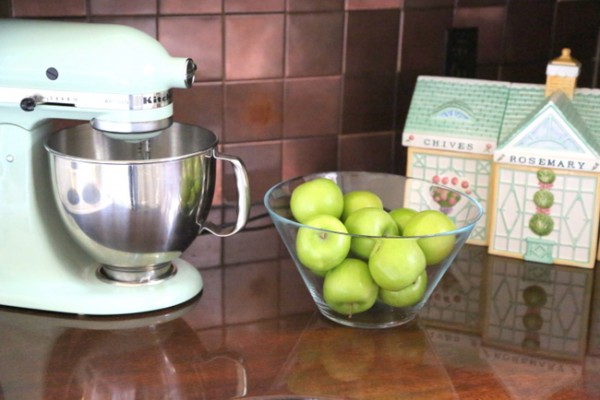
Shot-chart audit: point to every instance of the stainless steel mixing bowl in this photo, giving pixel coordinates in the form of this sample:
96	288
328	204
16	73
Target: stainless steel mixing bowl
136	206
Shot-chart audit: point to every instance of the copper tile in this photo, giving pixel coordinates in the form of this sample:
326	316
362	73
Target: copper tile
251	291
312	107
209	310
400	157
314	44
257	220
576	27
315	5
488	71
306	156
110	7
294	297
404	90
480	3
367	152
263	163
190	7
428	3
525	72
249	6
253	111
44	8
204	252
146	24
200	105
368	103
254	46
424	40
372	41
373	4
528	34
198	37
250	245
489	22
258	240
5	9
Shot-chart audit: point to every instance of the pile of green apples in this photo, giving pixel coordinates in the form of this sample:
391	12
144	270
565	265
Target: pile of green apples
382	260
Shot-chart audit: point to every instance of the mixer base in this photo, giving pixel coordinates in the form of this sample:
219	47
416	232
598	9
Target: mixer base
136	276
87	295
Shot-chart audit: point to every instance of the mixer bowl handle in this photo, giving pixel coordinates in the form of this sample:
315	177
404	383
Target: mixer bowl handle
243	206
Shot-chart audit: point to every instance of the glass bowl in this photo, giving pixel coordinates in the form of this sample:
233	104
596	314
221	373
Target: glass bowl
395	191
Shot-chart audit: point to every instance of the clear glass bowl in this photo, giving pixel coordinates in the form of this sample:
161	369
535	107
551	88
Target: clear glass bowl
395	191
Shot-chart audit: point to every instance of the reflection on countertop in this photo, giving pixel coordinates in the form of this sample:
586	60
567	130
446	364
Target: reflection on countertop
515	305
155	355
494	328
525	324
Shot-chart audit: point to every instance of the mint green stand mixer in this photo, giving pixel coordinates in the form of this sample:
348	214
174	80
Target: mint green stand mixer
119	81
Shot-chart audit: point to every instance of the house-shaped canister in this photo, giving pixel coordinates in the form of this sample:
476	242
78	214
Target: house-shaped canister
546	173
528	153
451	132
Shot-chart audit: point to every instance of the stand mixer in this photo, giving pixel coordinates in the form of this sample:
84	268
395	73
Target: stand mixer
117	78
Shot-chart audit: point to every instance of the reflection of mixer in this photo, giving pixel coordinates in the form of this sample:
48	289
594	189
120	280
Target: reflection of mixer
119	80
154	355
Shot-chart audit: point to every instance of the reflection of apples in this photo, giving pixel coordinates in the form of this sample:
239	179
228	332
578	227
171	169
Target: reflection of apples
348	288
396	263
401	216
406	347
431	222
307	380
347	354
320	250
358	199
369	222
319	196
408	296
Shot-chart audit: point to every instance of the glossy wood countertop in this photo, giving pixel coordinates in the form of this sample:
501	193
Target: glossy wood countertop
254	333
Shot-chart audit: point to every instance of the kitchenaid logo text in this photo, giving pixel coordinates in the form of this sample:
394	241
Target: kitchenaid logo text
547	162
448	144
157	98
150	101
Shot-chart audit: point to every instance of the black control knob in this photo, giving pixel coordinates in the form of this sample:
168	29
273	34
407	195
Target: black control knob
28	104
190	71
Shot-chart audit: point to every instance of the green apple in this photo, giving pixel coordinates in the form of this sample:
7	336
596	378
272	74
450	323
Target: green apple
401	216
369	222
395	263
358	199
315	197
326	246
349	289
408	296
431	222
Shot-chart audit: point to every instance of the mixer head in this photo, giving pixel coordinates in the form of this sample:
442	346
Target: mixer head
117	77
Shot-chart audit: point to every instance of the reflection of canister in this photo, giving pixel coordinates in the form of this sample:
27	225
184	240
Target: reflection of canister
535	297
532	307
456	302
594	336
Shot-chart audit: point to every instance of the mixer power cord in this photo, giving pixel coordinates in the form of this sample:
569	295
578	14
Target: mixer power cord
252	218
